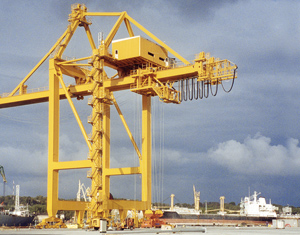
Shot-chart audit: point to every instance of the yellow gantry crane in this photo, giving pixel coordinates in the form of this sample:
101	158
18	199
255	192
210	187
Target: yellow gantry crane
141	66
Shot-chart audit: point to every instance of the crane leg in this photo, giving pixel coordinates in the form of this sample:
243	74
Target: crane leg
53	141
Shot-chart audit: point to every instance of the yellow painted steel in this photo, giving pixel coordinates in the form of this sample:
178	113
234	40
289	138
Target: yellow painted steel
114	30
157	40
70	165
136	73
146	150
139	48
53	141
39	63
75	111
127	128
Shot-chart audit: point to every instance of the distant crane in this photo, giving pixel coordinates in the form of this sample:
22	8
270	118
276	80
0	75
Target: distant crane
196	198
4	178
85	195
85	192
222	199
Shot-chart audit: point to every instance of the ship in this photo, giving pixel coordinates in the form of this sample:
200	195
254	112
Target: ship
20	217
253	211
7	219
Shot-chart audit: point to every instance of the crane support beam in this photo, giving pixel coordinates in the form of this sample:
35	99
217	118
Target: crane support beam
176	74
73	109
126	204
127	129
156	39
128	26
115	29
43	96
72	71
102	13
90	36
146	150
123	171
53	141
71	205
70	165
117	84
40	63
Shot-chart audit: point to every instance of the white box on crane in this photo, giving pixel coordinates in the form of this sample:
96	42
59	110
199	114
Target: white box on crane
138	50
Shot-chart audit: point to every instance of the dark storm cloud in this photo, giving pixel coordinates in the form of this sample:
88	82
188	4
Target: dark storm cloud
205	142
193	10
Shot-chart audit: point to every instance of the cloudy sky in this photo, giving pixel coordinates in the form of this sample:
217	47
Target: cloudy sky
224	145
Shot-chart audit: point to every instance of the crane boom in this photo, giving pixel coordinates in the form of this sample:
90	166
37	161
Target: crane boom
141	66
222	70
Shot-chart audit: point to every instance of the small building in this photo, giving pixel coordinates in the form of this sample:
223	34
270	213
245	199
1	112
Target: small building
287	210
138	50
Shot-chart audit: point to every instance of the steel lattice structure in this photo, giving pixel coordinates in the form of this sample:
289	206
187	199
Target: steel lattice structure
147	71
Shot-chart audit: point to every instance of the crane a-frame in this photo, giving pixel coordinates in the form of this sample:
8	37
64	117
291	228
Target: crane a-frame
142	67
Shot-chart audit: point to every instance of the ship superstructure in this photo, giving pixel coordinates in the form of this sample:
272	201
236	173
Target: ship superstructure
253	206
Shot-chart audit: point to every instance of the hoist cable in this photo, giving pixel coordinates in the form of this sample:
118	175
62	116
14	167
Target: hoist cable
157	150
183	89
200	90
206	83
154	158
217	84
180	91
233	78
191	93
196	88
162	129
166	199
186	90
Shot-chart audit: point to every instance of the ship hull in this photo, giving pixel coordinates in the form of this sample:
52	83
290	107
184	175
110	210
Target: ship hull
13	220
214	219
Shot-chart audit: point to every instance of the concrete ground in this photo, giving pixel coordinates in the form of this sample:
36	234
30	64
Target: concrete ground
208	230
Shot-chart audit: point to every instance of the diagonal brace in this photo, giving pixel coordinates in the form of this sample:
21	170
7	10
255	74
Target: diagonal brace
75	111
127	128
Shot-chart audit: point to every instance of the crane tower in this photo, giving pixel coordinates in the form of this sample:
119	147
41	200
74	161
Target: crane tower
141	66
